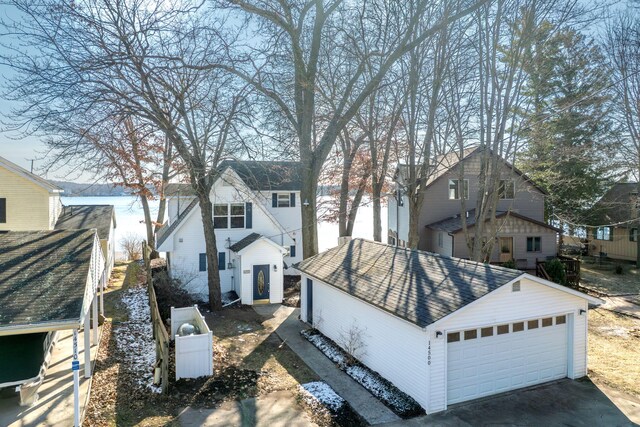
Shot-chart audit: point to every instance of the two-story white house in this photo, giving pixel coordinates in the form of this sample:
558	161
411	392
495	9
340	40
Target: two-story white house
257	216
521	234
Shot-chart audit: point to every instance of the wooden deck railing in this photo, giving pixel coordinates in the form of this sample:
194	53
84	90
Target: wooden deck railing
571	268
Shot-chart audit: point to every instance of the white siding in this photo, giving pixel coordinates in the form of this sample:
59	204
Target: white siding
447	242
394	348
177	205
291	221
260	253
534	300
394	212
185	254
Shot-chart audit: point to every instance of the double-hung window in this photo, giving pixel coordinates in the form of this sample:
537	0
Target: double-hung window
604	233
456	189
284	200
507	189
237	215
633	234
534	244
229	215
221	216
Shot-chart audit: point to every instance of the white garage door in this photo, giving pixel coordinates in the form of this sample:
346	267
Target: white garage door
495	359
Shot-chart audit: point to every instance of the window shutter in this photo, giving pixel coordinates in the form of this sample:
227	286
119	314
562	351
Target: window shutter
248	211
3	210
399	197
293	200
203	262
611	233
274	200
292	250
222	263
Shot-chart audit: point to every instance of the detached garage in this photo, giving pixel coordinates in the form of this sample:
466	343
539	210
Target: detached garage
446	330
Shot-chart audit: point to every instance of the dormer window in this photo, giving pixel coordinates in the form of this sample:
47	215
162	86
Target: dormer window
456	190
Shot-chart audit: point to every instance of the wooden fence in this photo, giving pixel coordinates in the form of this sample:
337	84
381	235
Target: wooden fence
160	334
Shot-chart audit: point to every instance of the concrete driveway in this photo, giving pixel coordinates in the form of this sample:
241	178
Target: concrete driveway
564	402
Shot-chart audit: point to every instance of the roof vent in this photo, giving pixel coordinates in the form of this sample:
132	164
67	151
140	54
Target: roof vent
515	287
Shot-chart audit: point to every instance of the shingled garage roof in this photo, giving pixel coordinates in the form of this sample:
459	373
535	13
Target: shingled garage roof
78	217
417	286
43	277
257	175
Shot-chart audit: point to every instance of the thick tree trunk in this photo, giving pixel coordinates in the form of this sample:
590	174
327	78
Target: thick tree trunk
377	211
309	214
414	217
213	273
151	241
343	215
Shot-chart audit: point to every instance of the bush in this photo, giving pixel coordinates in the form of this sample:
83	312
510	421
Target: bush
170	293
555	270
619	269
510	264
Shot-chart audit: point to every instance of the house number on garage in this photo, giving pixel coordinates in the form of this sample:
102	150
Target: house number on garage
429	353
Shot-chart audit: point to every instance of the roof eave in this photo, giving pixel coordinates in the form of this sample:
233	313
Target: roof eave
39	327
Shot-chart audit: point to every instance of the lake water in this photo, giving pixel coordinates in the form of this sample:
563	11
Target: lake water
130	219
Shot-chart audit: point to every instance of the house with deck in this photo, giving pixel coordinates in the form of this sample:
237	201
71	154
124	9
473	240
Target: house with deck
445	330
521	233
257	220
616	220
51	287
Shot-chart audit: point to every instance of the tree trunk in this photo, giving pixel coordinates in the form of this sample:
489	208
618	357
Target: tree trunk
377	211
414	217
309	214
343	215
213	274
151	241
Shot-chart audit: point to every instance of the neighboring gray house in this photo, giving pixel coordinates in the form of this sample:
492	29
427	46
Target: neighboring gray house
522	234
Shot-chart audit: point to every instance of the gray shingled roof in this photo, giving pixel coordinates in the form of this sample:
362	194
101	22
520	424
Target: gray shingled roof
43	276
454	224
257	175
417	286
616	205
78	217
241	244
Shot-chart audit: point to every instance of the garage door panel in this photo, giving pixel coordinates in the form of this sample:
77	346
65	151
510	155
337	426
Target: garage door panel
489	365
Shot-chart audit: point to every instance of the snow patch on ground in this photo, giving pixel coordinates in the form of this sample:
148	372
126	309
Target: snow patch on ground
134	338
399	402
319	391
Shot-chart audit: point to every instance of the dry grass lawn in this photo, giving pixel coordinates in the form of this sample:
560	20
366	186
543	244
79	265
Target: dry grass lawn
614	350
608	282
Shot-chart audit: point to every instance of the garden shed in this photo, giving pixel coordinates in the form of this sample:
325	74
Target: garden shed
446	330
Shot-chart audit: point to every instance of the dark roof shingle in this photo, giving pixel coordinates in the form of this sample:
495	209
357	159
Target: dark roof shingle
616	205
43	275
257	175
417	286
77	217
243	243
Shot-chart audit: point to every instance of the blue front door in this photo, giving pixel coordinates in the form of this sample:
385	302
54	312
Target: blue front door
260	282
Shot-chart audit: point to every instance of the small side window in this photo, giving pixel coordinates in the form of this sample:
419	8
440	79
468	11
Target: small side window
503	329
453	337
548	321
561	320
486	332
532	324
518	326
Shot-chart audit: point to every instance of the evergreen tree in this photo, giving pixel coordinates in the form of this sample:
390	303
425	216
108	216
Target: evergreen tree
567	128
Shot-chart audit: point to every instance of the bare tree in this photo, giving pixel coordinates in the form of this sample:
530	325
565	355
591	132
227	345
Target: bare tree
132	245
623	50
88	60
289	70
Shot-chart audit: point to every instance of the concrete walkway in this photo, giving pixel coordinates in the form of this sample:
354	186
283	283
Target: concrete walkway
628	305
363	402
55	403
278	409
